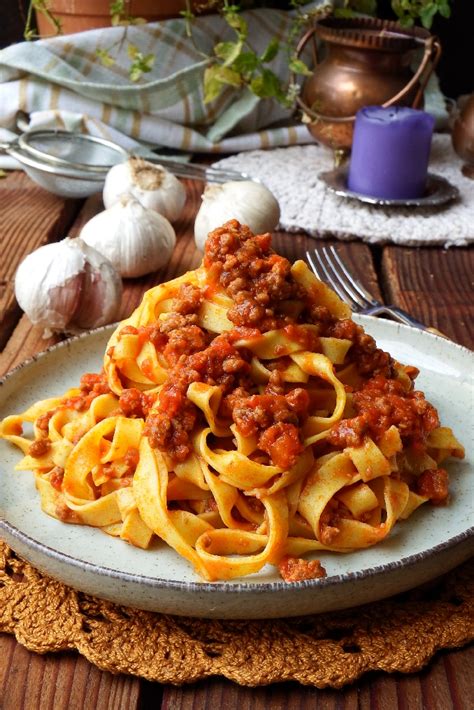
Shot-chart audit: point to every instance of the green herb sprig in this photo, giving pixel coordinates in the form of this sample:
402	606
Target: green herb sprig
236	63
407	11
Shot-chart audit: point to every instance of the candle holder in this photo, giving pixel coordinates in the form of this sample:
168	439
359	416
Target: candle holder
438	191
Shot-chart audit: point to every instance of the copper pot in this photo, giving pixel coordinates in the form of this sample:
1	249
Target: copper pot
463	135
367	63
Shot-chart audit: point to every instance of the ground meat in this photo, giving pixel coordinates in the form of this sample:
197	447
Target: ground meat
433	483
66	514
282	444
369	359
275	419
128	330
159	334
135	403
246	310
92	383
295	569
349	432
173	321
328	533
256	278
184	341
169	427
258	412
188	300
129	463
39	448
306	337
220	363
380	404
230	401
320	314
42	423
275	384
151	333
56	476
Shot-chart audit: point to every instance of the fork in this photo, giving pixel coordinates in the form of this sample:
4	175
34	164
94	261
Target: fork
328	266
197	171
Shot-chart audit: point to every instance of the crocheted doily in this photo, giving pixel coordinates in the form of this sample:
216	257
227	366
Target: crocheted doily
307	205
399	634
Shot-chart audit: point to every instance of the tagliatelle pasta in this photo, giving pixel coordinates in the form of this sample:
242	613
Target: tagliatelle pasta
244	419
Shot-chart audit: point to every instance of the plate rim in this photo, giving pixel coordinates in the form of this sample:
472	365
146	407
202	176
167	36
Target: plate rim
230	586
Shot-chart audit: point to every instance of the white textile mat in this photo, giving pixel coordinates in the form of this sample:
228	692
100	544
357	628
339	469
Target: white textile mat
308	206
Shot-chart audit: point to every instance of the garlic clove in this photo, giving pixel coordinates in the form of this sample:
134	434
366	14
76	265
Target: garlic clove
100	296
67	286
59	303
151	185
249	202
135	239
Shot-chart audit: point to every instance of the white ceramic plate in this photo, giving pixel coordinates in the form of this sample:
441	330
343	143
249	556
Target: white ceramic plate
432	541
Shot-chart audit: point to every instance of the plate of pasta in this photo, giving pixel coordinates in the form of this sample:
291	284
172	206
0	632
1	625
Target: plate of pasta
241	447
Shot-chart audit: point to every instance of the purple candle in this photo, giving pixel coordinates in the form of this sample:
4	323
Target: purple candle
390	152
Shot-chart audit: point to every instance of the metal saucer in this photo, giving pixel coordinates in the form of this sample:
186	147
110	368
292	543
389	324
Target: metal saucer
439	191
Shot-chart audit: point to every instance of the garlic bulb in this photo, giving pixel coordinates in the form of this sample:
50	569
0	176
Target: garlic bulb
68	286
135	239
152	185
249	202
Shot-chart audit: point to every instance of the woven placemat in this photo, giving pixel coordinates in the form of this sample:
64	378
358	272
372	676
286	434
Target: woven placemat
308	206
329	650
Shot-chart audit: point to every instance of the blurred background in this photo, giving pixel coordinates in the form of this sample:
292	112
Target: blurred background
455	70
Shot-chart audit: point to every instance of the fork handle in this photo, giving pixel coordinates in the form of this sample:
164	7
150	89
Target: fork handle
401	316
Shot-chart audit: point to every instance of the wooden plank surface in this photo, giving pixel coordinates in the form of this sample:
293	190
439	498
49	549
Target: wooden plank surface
435	286
435	688
31	217
29	681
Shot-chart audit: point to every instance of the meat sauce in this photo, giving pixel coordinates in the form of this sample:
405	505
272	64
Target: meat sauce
258	280
91	386
381	403
261	286
433	483
168	427
295	569
275	419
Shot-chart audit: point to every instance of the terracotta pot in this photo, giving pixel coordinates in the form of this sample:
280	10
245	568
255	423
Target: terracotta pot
80	15
367	62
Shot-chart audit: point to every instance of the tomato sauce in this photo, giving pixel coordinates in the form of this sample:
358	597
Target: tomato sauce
381	403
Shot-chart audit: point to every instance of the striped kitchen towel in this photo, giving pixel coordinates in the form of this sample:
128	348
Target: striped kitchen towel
60	82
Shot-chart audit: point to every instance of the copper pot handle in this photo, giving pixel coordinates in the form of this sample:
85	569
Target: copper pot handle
432	52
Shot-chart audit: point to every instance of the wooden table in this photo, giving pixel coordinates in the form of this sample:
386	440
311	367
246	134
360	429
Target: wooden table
436	286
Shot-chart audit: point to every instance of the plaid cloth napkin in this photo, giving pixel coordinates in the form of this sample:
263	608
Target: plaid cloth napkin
61	83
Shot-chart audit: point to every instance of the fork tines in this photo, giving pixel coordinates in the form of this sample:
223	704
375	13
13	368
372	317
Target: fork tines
328	266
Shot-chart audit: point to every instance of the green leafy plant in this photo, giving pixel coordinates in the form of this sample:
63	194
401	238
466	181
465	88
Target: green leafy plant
407	11
42	7
236	63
